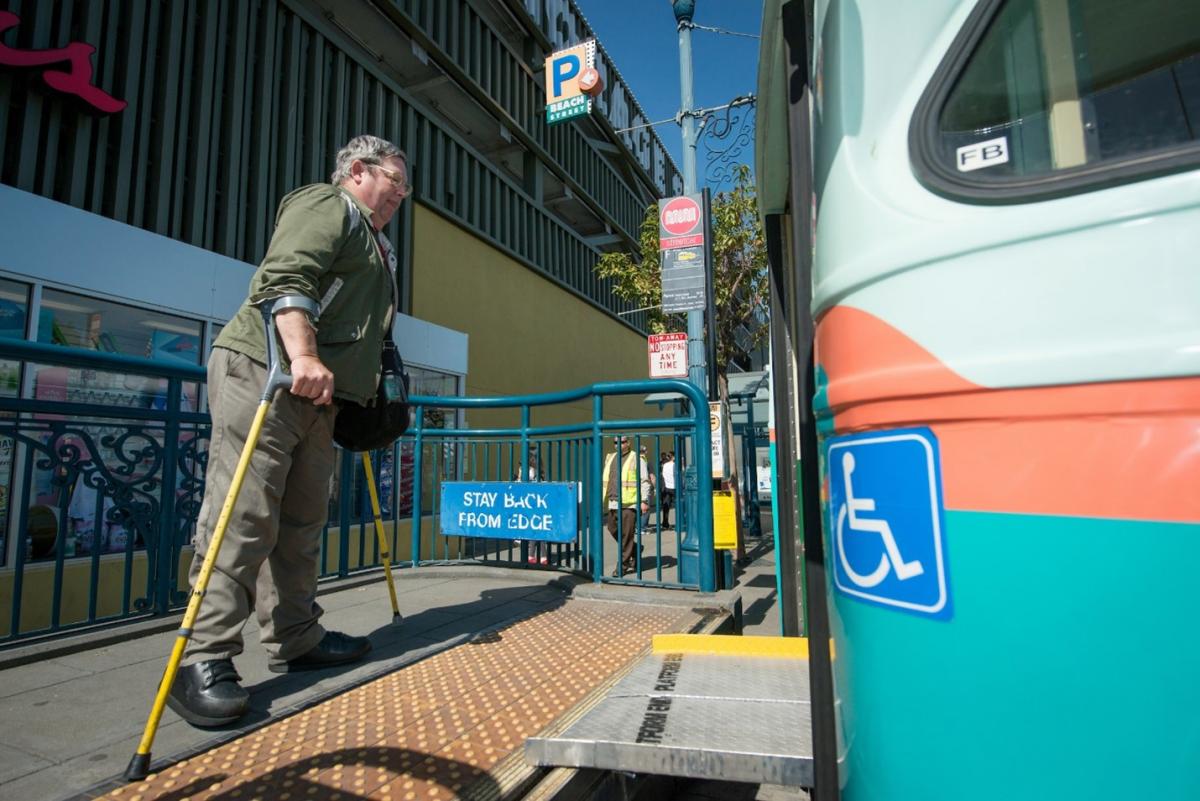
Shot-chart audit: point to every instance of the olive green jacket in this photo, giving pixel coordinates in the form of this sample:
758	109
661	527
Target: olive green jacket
318	241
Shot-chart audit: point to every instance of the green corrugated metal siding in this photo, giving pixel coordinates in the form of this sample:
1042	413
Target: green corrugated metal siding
509	84
232	105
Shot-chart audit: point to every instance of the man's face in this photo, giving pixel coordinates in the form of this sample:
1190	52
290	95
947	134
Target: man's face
625	445
380	186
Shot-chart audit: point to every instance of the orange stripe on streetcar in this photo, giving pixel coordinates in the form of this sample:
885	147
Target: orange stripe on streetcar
1121	449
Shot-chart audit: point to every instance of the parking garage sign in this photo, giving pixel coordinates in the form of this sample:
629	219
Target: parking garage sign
564	98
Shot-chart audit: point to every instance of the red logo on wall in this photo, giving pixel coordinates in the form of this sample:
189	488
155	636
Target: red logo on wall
76	80
680	216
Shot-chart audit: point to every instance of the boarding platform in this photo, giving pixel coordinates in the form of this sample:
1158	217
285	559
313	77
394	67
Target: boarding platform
483	660
700	706
451	725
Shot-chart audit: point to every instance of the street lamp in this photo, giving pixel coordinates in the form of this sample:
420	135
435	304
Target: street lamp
683	9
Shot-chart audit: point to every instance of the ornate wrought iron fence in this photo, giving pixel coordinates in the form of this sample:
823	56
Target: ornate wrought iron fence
101	488
105	475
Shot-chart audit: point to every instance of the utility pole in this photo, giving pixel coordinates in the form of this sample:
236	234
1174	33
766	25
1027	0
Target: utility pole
695	318
684	10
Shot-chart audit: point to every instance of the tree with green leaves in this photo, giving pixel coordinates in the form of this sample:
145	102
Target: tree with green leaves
740	274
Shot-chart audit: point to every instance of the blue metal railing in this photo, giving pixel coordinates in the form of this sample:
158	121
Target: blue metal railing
93	515
105	475
524	436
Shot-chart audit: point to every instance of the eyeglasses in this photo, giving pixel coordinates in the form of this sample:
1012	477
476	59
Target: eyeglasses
396	177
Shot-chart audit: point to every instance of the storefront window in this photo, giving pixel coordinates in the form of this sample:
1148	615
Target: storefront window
14	306
88	474
83	322
214	331
14	310
433	384
439	460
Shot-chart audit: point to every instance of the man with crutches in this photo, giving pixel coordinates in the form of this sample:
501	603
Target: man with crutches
327	280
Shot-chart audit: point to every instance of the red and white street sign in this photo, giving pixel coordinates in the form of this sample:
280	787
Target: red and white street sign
668	355
681	223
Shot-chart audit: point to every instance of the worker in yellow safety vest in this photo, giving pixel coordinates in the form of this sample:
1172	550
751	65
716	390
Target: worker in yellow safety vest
621	518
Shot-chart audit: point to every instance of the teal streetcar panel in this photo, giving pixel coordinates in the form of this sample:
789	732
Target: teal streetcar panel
885	506
1070	653
542	511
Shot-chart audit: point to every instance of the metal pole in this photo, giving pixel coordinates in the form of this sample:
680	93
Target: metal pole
710	292
692	477
751	443
695	318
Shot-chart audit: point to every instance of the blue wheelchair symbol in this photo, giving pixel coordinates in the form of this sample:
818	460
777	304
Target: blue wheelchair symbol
887	531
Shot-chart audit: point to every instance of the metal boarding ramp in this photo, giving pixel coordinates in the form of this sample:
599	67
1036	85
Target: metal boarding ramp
699	706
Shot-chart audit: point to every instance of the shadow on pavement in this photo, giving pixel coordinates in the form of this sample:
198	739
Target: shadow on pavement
429	631
299	777
756	612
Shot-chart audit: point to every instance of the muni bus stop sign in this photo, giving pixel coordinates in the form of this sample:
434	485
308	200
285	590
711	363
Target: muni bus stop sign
682	250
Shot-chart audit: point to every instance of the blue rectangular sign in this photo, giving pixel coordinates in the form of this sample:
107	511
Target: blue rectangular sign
885	508
543	511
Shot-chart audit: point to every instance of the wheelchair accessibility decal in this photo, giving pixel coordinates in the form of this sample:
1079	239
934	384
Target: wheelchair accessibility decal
885	504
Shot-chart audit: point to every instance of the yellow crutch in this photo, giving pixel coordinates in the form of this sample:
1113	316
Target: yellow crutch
384	553
139	765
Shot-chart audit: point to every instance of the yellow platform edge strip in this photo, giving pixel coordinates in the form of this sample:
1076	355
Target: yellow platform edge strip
732	645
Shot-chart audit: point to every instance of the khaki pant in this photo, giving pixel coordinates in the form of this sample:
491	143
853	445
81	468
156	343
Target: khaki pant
628	534
270	550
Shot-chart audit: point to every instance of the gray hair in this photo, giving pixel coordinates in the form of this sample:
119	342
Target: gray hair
370	149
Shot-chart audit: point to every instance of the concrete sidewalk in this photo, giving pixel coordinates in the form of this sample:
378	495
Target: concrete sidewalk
74	720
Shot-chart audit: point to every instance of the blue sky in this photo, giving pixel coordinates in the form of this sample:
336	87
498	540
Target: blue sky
640	37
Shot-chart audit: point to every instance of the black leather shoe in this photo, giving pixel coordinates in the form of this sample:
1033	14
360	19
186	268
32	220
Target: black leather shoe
208	694
334	648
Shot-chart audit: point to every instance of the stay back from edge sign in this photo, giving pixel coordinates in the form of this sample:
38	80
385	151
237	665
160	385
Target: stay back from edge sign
542	510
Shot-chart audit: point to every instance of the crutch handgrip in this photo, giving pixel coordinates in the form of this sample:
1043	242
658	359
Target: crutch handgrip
276	377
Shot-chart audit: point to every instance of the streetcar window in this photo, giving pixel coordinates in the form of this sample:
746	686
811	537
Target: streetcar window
1055	85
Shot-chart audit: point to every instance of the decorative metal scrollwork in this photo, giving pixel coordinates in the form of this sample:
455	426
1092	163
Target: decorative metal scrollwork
127	483
123	464
192	461
726	135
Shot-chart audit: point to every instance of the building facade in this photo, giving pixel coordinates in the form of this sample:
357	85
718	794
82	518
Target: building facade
145	145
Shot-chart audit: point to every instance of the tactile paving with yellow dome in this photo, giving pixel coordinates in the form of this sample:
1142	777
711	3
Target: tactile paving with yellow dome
450	726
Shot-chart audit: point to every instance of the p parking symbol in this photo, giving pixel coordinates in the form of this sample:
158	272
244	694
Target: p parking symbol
564	69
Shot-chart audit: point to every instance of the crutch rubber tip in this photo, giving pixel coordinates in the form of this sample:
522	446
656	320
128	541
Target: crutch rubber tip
139	768
397	618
